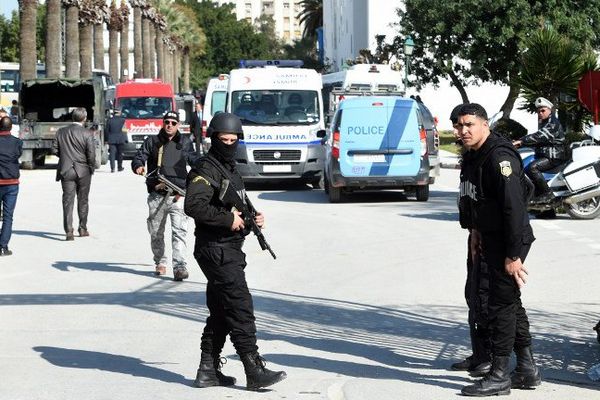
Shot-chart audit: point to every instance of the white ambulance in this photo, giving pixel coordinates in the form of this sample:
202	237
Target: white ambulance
281	110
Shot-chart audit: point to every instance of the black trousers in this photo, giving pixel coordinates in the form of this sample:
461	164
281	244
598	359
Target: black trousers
228	300
476	295
81	188
115	152
507	318
535	173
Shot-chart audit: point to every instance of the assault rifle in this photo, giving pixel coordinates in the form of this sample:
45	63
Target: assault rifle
248	212
170	186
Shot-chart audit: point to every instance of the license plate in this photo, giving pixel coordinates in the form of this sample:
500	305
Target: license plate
277	168
369	158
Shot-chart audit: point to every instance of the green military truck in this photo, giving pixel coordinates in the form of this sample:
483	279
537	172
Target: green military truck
46	106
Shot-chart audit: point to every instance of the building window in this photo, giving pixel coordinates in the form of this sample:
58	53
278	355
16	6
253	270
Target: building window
286	35
286	6
267	7
248	8
286	22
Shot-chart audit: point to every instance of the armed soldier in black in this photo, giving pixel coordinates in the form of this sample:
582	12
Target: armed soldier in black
549	145
493	206
215	191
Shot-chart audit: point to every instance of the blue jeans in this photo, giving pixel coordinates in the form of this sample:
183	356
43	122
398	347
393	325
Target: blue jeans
8	197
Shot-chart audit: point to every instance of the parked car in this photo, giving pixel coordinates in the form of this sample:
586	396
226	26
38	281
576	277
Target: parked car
377	142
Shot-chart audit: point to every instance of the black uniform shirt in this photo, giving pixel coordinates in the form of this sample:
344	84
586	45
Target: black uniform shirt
496	201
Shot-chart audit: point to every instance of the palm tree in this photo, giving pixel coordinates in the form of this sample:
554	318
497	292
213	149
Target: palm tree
147	62
53	39
311	16
124	49
114	26
71	38
552	66
137	6
102	16
27	38
193	40
160	27
86	41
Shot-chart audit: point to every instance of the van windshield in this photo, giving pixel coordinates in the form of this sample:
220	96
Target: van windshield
276	107
144	107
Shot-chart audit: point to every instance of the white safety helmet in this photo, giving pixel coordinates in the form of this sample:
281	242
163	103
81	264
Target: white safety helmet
542	102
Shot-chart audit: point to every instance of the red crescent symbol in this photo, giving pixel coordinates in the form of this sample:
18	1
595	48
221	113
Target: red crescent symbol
246	79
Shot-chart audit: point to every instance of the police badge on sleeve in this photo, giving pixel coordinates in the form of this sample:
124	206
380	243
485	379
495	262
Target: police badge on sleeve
505	168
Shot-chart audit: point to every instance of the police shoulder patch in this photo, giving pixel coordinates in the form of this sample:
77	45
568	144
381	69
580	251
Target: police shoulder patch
200	179
505	168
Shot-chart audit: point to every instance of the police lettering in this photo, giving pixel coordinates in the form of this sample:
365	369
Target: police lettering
366	130
468	189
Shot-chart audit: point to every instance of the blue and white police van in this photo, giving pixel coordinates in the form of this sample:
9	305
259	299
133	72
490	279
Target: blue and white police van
281	110
377	142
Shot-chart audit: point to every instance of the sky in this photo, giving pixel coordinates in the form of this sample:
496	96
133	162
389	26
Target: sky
8	6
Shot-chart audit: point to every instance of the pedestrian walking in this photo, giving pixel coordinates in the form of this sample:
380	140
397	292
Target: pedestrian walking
116	139
476	294
74	147
196	127
167	153
11	149
214	186
493	205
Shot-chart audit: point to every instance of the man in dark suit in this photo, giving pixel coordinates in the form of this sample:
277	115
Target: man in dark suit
196	128
74	145
116	140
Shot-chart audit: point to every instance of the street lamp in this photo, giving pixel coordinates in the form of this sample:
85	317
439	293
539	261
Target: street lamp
409	46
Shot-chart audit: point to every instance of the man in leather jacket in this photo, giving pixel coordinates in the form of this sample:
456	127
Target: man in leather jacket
549	144
220	233
167	153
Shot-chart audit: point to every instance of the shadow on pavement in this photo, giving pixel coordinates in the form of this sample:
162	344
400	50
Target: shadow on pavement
105	267
71	358
410	342
44	235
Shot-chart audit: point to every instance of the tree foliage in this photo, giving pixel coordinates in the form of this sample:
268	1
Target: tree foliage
474	41
9	36
552	67
227	41
311	16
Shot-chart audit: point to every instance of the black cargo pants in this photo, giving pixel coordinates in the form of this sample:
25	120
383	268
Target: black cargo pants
228	299
476	295
507	318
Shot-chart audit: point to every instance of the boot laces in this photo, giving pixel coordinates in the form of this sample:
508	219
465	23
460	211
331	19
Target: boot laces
260	361
219	362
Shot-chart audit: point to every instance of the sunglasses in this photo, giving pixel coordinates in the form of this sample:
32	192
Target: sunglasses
172	123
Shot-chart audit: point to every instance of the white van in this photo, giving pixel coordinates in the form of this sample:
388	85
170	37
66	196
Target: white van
214	101
282	117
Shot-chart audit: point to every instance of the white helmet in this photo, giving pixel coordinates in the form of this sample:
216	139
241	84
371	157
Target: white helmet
542	102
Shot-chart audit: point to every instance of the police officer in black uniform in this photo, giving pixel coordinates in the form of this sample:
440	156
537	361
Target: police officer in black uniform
476	294
549	145
492	205
220	232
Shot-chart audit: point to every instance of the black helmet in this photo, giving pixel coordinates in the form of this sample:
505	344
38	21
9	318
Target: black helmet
224	122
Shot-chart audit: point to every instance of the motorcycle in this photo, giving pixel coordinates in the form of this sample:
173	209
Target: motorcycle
575	183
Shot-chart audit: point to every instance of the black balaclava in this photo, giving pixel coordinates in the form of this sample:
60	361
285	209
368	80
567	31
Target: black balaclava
223	152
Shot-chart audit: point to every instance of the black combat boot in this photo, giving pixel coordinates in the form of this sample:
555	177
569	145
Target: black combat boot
495	383
257	376
209	372
526	375
224	380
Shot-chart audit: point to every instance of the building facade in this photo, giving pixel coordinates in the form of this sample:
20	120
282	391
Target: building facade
284	13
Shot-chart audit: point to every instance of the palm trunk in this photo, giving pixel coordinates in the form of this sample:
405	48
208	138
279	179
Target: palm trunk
176	71
72	42
86	43
27	38
113	54
146	47
152	47
99	47
125	73
160	55
53	39
137	42
186	70
169	67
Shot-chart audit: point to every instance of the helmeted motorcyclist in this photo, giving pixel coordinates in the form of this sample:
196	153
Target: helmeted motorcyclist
549	145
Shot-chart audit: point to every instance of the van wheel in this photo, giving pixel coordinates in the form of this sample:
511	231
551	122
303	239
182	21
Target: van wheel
335	194
422	193
325	184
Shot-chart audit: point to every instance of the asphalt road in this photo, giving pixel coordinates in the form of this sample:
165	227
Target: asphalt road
363	302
